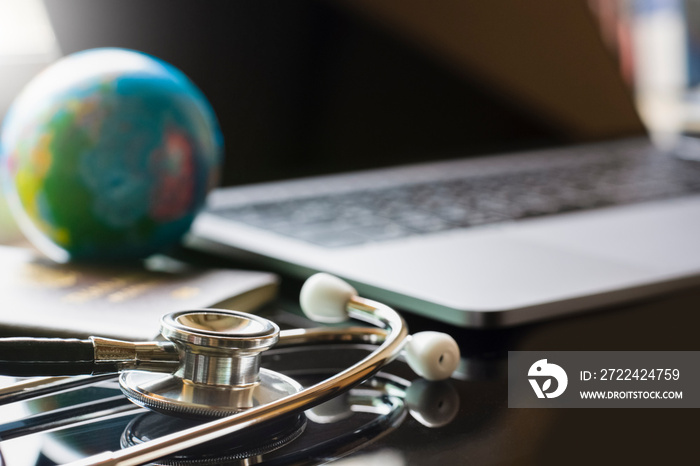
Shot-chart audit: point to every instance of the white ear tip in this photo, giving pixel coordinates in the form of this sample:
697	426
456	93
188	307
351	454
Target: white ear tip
432	355
324	298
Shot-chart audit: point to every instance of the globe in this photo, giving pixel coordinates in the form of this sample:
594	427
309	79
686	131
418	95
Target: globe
108	154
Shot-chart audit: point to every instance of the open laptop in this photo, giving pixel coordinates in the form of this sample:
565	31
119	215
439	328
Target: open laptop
499	239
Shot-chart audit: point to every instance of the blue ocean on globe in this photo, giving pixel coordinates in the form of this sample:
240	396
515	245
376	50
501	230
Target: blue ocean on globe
109	154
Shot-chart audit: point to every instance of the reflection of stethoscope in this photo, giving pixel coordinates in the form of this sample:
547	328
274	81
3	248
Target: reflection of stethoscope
333	429
210	367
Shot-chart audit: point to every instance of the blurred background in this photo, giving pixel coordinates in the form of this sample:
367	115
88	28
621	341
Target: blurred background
311	86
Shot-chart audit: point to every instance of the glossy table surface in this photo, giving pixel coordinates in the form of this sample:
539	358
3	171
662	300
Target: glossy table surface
465	420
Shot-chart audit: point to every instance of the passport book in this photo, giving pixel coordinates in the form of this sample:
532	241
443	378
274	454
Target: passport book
42	298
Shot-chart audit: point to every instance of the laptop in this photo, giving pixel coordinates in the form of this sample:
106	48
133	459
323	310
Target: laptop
501	239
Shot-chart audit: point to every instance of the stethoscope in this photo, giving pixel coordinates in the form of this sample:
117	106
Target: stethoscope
209	366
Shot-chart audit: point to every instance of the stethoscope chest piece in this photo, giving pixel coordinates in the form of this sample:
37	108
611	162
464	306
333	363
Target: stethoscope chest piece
219	372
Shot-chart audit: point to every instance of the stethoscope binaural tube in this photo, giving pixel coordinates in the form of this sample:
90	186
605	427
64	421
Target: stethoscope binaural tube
324	298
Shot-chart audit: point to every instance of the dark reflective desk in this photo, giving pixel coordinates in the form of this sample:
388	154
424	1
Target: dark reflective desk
486	431
478	428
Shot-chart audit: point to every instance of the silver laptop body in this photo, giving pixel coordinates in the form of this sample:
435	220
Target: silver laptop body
493	272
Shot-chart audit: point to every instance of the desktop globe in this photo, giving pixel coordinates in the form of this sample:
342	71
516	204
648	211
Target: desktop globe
108	154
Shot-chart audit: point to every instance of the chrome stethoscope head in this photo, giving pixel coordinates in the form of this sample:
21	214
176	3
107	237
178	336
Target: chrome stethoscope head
219	369
209	367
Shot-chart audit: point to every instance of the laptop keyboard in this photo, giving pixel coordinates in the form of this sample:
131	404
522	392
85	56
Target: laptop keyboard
354	218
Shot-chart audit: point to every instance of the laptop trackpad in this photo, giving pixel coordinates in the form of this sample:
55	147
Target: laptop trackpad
663	236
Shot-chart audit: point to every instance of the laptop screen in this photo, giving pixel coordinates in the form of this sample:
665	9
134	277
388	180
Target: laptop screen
313	87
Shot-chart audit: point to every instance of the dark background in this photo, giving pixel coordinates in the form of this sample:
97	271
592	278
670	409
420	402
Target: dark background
308	87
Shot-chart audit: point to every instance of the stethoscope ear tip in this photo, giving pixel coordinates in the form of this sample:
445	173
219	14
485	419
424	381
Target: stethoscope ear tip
432	355
324	298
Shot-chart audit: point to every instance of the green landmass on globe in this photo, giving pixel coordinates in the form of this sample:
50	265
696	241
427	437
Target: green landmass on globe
113	164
